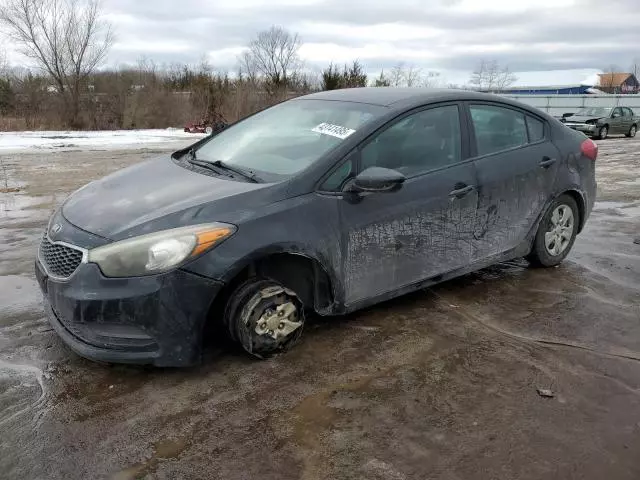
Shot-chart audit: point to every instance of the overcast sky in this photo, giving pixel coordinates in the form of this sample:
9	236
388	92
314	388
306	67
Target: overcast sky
449	36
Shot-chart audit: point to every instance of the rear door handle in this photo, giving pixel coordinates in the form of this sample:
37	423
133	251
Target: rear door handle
461	191
547	162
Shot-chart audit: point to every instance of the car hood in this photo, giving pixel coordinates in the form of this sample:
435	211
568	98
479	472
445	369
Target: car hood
155	195
582	119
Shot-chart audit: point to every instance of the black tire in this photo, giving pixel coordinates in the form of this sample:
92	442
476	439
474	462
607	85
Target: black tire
249	306
603	133
540	255
632	131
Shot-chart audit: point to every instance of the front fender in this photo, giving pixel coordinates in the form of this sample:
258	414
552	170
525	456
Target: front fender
225	268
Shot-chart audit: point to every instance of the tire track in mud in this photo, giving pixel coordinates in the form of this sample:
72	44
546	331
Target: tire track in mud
620	354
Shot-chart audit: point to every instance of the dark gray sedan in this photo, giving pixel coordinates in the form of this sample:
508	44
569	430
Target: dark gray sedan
325	203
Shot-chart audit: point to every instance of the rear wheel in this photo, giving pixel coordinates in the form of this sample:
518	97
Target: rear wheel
264	317
603	132
556	233
632	131
208	130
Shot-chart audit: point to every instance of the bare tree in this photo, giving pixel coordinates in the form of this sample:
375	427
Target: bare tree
66	38
635	67
247	67
490	76
635	70
431	80
408	75
273	54
397	76
412	76
382	80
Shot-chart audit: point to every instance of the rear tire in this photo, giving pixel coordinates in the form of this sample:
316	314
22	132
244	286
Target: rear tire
556	233
603	133
264	317
632	131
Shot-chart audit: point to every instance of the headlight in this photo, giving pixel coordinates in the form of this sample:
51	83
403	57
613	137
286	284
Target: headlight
158	252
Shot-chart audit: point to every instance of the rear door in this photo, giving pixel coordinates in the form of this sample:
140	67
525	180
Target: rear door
516	165
394	239
627	116
616	122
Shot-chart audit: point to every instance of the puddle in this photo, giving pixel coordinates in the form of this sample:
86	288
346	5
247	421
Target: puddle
618	208
22	391
18	294
630	182
165	449
17	205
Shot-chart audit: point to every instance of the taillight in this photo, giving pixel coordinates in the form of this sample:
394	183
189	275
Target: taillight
589	149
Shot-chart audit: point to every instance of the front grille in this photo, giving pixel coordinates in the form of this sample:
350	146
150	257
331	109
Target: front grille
59	260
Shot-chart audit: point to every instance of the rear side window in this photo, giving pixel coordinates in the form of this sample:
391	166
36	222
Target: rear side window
627	112
497	128
536	129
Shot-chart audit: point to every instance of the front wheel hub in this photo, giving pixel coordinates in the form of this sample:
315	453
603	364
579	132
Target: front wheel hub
273	320
280	324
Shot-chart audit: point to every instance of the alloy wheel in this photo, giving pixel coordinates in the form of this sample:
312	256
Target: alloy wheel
558	237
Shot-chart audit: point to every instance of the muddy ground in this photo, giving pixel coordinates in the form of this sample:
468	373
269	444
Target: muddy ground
441	384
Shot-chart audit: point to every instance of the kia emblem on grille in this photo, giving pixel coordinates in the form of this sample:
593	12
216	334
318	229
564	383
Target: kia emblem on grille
55	229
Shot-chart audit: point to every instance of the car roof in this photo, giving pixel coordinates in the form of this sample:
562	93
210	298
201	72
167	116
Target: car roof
402	97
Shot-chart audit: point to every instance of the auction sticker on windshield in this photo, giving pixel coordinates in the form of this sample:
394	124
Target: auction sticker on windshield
333	130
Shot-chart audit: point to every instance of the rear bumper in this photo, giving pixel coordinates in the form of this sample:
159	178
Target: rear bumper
155	320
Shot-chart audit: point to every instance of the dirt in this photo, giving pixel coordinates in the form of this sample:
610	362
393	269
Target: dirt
441	384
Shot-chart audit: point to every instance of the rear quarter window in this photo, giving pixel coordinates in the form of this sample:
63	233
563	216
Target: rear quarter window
535	128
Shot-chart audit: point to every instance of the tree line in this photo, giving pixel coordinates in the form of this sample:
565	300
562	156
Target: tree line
68	40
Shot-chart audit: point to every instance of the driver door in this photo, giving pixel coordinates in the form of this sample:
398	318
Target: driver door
394	239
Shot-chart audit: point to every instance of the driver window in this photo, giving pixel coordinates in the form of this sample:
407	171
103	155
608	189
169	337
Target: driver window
418	143
617	113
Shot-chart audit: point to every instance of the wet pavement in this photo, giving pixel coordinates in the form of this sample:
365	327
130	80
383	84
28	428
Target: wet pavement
440	384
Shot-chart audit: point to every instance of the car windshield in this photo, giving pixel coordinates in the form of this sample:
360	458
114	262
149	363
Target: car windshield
286	138
594	112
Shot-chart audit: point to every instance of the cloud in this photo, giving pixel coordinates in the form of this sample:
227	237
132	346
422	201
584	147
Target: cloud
440	35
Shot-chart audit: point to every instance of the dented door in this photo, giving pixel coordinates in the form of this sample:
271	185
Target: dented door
517	168
393	240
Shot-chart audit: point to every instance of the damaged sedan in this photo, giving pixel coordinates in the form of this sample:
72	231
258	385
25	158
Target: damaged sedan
322	204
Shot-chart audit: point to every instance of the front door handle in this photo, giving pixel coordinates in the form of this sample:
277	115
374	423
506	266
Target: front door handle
461	190
547	162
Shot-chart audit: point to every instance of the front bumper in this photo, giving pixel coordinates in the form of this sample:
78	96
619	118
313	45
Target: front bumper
586	128
154	320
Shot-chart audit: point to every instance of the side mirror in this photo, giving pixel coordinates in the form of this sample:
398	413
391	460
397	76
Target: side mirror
377	179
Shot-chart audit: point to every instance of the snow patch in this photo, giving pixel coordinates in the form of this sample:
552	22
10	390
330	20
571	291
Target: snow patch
81	140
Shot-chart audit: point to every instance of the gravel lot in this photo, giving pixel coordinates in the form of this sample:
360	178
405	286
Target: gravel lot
441	384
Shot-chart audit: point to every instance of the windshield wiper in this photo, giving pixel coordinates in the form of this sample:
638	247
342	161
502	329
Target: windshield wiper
248	174
201	163
219	164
